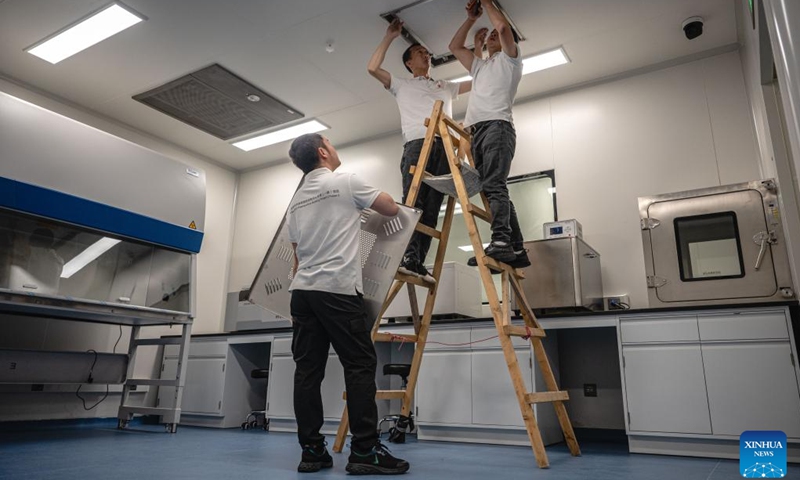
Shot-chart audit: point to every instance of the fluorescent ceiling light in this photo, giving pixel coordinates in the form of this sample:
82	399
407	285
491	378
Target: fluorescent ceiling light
545	60
88	256
468	248
542	61
92	30
280	135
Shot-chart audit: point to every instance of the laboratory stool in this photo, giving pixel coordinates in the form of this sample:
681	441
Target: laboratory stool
397	433
252	419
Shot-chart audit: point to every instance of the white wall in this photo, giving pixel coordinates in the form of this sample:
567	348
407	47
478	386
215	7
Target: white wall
212	279
684	127
773	146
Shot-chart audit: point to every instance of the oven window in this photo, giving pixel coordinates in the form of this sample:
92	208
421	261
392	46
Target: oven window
709	247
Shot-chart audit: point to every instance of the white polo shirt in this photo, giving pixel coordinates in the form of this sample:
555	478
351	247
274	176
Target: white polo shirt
415	98
494	87
325	222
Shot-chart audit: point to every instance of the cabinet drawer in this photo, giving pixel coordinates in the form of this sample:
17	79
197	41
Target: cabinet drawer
282	346
743	326
659	329
208	349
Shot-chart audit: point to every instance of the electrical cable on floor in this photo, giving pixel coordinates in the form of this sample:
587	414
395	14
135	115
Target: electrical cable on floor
91	379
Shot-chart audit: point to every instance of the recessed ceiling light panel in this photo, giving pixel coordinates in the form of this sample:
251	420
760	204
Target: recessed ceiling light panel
94	29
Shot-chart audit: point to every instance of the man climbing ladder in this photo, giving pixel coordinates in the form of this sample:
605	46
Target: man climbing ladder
457	147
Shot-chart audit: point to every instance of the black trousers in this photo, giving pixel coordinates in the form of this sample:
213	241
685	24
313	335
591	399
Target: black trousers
493	146
322	319
428	200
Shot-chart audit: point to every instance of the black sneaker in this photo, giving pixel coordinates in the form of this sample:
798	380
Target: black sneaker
377	461
521	260
408	267
415	268
314	458
501	253
423	273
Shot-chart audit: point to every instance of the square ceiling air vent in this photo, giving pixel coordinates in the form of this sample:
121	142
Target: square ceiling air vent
433	24
218	102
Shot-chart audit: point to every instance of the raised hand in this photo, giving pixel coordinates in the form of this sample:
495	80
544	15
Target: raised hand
474	9
395	28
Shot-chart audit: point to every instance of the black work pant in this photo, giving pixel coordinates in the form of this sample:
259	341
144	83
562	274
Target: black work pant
428	199
493	145
322	319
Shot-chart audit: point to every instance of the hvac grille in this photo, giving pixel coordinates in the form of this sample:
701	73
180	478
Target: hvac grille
216	101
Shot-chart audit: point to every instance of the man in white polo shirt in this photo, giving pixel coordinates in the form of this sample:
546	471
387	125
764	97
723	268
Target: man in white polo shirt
489	120
327	307
415	98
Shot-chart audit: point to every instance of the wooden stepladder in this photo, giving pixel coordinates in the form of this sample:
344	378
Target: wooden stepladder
457	146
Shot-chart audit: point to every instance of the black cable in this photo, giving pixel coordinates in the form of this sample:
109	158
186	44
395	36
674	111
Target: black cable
91	379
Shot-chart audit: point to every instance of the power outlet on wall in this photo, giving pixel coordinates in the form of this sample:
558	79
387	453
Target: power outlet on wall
616	302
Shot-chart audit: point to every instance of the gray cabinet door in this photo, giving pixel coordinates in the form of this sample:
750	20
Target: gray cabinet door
444	389
281	388
204	387
752	386
666	389
280	401
494	401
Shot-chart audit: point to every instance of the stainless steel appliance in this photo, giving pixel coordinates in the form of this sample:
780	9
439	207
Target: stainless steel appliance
564	273
563	228
717	245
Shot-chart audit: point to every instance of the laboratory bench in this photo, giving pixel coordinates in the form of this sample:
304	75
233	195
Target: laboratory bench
680	381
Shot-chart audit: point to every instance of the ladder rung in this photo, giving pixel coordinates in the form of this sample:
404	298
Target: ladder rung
413	280
479	212
152	381
458	129
500	267
158	341
431	232
544	397
516	331
384	394
391	337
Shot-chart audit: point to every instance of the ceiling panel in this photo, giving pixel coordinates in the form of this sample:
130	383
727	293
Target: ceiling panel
280	47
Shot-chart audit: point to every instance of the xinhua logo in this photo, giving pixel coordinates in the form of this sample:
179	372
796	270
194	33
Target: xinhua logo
762	454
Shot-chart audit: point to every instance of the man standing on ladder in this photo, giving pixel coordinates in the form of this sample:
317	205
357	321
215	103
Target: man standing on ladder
415	99
327	305
489	121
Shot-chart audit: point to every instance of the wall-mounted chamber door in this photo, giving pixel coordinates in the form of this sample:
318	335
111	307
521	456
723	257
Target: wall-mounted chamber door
712	247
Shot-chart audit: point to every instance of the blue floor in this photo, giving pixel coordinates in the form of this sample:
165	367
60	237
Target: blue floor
98	450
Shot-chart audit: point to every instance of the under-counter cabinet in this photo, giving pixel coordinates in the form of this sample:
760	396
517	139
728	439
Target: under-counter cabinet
465	393
219	391
694	381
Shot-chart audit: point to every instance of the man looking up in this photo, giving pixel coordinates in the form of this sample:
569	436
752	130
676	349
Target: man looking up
489	120
415	98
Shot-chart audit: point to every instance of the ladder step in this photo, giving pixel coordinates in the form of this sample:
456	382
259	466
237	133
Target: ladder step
517	331
152	381
500	267
157	341
391	337
431	232
544	397
479	212
456	127
384	394
413	280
